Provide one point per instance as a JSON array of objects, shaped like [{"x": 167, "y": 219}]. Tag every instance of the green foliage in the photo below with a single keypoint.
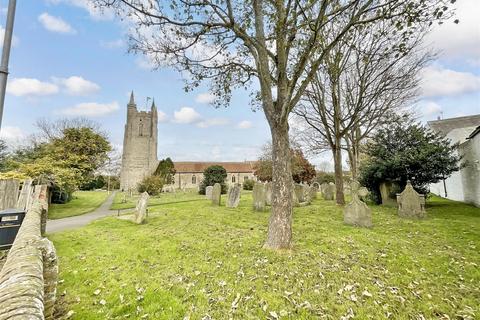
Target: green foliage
[
  {"x": 302, "y": 169},
  {"x": 166, "y": 170},
  {"x": 407, "y": 152},
  {"x": 324, "y": 177},
  {"x": 66, "y": 161},
  {"x": 248, "y": 184},
  {"x": 212, "y": 175},
  {"x": 152, "y": 185}
]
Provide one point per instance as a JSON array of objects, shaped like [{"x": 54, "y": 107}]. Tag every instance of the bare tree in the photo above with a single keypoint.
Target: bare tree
[
  {"x": 278, "y": 43},
  {"x": 362, "y": 81}
]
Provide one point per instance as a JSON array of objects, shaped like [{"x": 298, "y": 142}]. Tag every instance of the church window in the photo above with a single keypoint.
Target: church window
[
  {"x": 233, "y": 179},
  {"x": 194, "y": 179},
  {"x": 245, "y": 178}
]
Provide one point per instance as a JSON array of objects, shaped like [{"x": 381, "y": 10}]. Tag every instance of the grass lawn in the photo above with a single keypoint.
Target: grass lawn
[
  {"x": 82, "y": 202},
  {"x": 162, "y": 199},
  {"x": 195, "y": 261}
]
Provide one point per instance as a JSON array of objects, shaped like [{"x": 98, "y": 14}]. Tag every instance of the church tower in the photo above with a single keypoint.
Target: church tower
[{"x": 139, "y": 157}]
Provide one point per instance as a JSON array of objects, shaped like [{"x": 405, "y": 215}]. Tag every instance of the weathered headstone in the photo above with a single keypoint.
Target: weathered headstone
[
  {"x": 268, "y": 193},
  {"x": 386, "y": 193},
  {"x": 140, "y": 214},
  {"x": 410, "y": 203},
  {"x": 233, "y": 197},
  {"x": 208, "y": 192},
  {"x": 329, "y": 192},
  {"x": 347, "y": 190},
  {"x": 315, "y": 187},
  {"x": 299, "y": 192},
  {"x": 9, "y": 193},
  {"x": 216, "y": 194},
  {"x": 25, "y": 195},
  {"x": 259, "y": 196},
  {"x": 357, "y": 213},
  {"x": 323, "y": 187},
  {"x": 307, "y": 194}
]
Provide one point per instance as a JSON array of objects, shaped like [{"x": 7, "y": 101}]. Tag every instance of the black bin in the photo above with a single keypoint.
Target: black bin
[{"x": 10, "y": 222}]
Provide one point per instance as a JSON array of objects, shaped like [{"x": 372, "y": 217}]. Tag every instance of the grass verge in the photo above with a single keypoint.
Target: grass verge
[
  {"x": 82, "y": 202},
  {"x": 196, "y": 261}
]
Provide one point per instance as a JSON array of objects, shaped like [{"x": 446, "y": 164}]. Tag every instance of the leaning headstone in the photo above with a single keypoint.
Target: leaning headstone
[
  {"x": 329, "y": 192},
  {"x": 9, "y": 193},
  {"x": 410, "y": 203},
  {"x": 233, "y": 197},
  {"x": 140, "y": 214},
  {"x": 357, "y": 213},
  {"x": 25, "y": 195},
  {"x": 208, "y": 192},
  {"x": 323, "y": 187},
  {"x": 268, "y": 193},
  {"x": 259, "y": 196},
  {"x": 307, "y": 194},
  {"x": 216, "y": 194}
]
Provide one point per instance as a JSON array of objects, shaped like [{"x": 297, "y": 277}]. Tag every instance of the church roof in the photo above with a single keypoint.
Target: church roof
[
  {"x": 198, "y": 167},
  {"x": 446, "y": 125}
]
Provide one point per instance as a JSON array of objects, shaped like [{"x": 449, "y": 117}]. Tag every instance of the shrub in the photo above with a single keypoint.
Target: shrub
[
  {"x": 248, "y": 184},
  {"x": 212, "y": 175},
  {"x": 152, "y": 185}
]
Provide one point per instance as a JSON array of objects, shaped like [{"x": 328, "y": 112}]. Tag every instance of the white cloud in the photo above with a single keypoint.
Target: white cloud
[
  {"x": 459, "y": 40},
  {"x": 431, "y": 108},
  {"x": 212, "y": 122},
  {"x": 11, "y": 133},
  {"x": 88, "y": 5},
  {"x": 15, "y": 40},
  {"x": 145, "y": 63},
  {"x": 77, "y": 86},
  {"x": 91, "y": 109},
  {"x": 113, "y": 44},
  {"x": 438, "y": 81},
  {"x": 30, "y": 87},
  {"x": 55, "y": 24},
  {"x": 245, "y": 124},
  {"x": 206, "y": 98},
  {"x": 162, "y": 116},
  {"x": 186, "y": 115}
]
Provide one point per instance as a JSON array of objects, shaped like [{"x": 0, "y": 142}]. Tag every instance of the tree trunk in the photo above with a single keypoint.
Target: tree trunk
[
  {"x": 280, "y": 225},
  {"x": 337, "y": 158}
]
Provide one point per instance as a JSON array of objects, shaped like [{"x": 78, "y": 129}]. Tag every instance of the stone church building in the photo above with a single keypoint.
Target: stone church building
[{"x": 139, "y": 158}]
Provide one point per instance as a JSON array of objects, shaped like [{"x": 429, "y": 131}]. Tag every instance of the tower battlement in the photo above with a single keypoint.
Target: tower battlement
[{"x": 139, "y": 158}]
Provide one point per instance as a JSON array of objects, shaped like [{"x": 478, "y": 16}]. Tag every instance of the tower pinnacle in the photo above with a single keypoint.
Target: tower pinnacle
[{"x": 132, "y": 100}]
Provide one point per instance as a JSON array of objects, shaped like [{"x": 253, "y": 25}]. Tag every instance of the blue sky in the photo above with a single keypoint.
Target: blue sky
[{"x": 69, "y": 60}]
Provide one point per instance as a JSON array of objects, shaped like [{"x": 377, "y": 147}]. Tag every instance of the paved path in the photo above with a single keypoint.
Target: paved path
[{"x": 81, "y": 220}]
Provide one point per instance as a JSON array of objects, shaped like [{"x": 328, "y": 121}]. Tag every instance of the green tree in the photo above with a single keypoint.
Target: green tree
[
  {"x": 302, "y": 169},
  {"x": 152, "y": 185},
  {"x": 212, "y": 175},
  {"x": 166, "y": 170},
  {"x": 407, "y": 152}
]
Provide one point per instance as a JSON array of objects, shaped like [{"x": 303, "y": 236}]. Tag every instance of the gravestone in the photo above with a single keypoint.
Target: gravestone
[
  {"x": 315, "y": 187},
  {"x": 329, "y": 192},
  {"x": 9, "y": 193},
  {"x": 357, "y": 213},
  {"x": 410, "y": 203},
  {"x": 233, "y": 197},
  {"x": 216, "y": 194},
  {"x": 140, "y": 214},
  {"x": 323, "y": 187},
  {"x": 386, "y": 193},
  {"x": 208, "y": 192},
  {"x": 25, "y": 195},
  {"x": 299, "y": 192},
  {"x": 268, "y": 193},
  {"x": 259, "y": 196},
  {"x": 347, "y": 190}
]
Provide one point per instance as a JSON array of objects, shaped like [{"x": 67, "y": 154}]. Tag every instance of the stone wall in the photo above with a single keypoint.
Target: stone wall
[{"x": 28, "y": 279}]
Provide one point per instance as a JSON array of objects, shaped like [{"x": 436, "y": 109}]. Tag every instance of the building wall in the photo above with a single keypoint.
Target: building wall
[
  {"x": 139, "y": 157},
  {"x": 186, "y": 180},
  {"x": 471, "y": 172}
]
